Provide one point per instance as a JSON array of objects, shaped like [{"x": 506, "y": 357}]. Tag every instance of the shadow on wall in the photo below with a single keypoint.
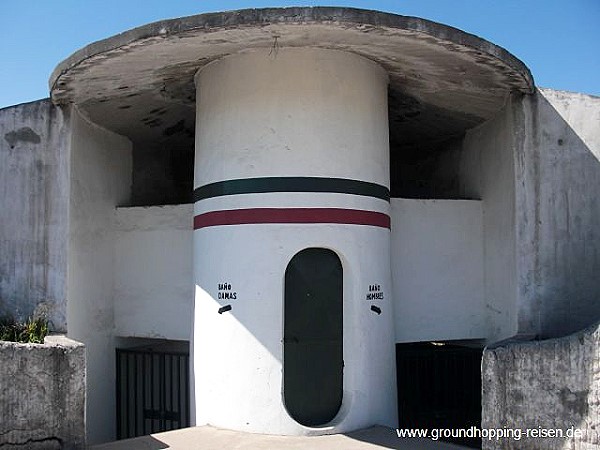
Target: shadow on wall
[{"x": 558, "y": 212}]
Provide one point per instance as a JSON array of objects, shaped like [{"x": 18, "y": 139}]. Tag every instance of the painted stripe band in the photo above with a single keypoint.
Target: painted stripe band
[
  {"x": 291, "y": 215},
  {"x": 291, "y": 184}
]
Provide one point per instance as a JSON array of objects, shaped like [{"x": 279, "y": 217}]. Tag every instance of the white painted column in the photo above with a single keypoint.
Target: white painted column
[{"x": 317, "y": 120}]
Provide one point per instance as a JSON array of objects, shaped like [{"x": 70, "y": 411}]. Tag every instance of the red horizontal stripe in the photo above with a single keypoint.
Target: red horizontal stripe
[{"x": 291, "y": 215}]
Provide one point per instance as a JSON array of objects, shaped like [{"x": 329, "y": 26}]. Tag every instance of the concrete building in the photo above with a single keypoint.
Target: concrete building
[{"x": 301, "y": 194}]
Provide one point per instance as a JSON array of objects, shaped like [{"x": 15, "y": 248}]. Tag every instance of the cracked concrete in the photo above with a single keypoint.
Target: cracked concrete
[
  {"x": 49, "y": 443},
  {"x": 42, "y": 395},
  {"x": 551, "y": 384}
]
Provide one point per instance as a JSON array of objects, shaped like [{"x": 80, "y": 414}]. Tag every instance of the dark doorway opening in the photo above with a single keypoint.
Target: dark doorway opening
[
  {"x": 313, "y": 337},
  {"x": 153, "y": 388},
  {"x": 439, "y": 386}
]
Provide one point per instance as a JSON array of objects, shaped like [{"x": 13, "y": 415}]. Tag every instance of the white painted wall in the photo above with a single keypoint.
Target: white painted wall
[
  {"x": 536, "y": 168},
  {"x": 238, "y": 355},
  {"x": 437, "y": 270},
  {"x": 298, "y": 112},
  {"x": 488, "y": 169},
  {"x": 154, "y": 289},
  {"x": 100, "y": 179}
]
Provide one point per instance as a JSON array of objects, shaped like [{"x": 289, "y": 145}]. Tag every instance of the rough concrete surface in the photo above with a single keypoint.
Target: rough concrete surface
[
  {"x": 553, "y": 384},
  {"x": 536, "y": 168},
  {"x": 140, "y": 83},
  {"x": 557, "y": 186},
  {"x": 42, "y": 395},
  {"x": 209, "y": 438},
  {"x": 34, "y": 188}
]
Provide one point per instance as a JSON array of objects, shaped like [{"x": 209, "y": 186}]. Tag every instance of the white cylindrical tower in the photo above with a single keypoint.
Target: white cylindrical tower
[{"x": 293, "y": 330}]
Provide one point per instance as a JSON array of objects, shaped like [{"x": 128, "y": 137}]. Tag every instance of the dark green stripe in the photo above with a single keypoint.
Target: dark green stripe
[{"x": 291, "y": 184}]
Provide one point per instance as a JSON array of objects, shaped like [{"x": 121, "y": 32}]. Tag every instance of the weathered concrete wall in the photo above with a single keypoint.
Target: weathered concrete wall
[
  {"x": 557, "y": 166},
  {"x": 437, "y": 270},
  {"x": 553, "y": 384},
  {"x": 154, "y": 287},
  {"x": 536, "y": 167},
  {"x": 42, "y": 395},
  {"x": 100, "y": 180},
  {"x": 34, "y": 188}
]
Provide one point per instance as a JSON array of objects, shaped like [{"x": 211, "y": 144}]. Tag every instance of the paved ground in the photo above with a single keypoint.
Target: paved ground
[{"x": 208, "y": 438}]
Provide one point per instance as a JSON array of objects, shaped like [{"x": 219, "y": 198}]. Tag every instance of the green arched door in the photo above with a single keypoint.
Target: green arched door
[{"x": 313, "y": 336}]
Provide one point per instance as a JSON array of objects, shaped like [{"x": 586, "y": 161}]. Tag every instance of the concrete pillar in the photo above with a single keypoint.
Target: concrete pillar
[{"x": 291, "y": 153}]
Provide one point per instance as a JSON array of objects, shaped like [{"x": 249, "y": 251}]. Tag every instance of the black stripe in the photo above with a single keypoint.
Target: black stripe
[{"x": 291, "y": 184}]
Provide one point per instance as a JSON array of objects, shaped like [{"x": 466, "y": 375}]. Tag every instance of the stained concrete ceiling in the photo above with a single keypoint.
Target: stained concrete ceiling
[{"x": 140, "y": 83}]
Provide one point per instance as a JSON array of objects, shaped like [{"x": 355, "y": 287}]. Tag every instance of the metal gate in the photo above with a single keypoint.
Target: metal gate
[
  {"x": 153, "y": 391},
  {"x": 439, "y": 386}
]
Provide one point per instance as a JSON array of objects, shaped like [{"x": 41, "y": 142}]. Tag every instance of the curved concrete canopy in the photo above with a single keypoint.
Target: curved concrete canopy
[{"x": 140, "y": 83}]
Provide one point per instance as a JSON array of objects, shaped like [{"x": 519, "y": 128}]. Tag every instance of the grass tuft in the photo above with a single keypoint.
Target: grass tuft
[{"x": 33, "y": 331}]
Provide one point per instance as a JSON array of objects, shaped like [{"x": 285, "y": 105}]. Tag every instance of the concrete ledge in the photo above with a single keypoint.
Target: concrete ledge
[
  {"x": 42, "y": 394},
  {"x": 552, "y": 384},
  {"x": 258, "y": 18},
  {"x": 443, "y": 81}
]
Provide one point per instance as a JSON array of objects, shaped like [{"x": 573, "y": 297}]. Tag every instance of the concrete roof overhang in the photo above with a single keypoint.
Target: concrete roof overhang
[{"x": 139, "y": 83}]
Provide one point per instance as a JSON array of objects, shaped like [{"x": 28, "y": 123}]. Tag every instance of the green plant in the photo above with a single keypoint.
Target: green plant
[{"x": 32, "y": 331}]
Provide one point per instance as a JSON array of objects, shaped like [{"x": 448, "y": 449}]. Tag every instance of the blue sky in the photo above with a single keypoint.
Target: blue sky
[{"x": 559, "y": 40}]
